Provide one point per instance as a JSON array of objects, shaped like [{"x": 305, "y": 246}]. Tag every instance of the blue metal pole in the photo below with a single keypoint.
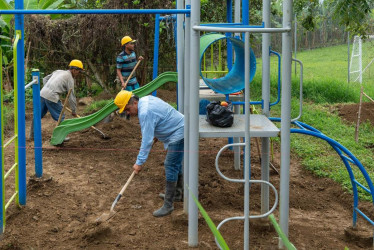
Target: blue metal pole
[
  {"x": 19, "y": 25},
  {"x": 155, "y": 49},
  {"x": 37, "y": 124},
  {"x": 230, "y": 140},
  {"x": 2, "y": 186},
  {"x": 245, "y": 12},
  {"x": 105, "y": 11},
  {"x": 155, "y": 46},
  {"x": 176, "y": 52},
  {"x": 229, "y": 45}
]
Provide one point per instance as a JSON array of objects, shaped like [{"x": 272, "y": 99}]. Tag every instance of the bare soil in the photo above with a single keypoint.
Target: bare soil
[
  {"x": 84, "y": 175},
  {"x": 349, "y": 112}
]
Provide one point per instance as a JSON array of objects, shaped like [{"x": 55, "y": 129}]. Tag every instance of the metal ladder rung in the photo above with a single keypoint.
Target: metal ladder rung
[
  {"x": 362, "y": 186},
  {"x": 10, "y": 170},
  {"x": 11, "y": 199},
  {"x": 11, "y": 139},
  {"x": 364, "y": 215},
  {"x": 348, "y": 159}
]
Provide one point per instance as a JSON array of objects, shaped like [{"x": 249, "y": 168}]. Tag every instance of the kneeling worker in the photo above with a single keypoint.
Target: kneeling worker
[
  {"x": 55, "y": 84},
  {"x": 158, "y": 121}
]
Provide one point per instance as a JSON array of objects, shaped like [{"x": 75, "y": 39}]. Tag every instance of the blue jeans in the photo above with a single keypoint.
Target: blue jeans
[
  {"x": 53, "y": 108},
  {"x": 132, "y": 87},
  {"x": 174, "y": 159}
]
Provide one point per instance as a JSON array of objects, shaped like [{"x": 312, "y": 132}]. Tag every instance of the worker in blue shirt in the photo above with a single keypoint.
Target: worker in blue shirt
[
  {"x": 126, "y": 62},
  {"x": 158, "y": 121}
]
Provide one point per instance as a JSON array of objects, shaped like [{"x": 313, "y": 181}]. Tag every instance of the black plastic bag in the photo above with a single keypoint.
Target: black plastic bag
[{"x": 218, "y": 115}]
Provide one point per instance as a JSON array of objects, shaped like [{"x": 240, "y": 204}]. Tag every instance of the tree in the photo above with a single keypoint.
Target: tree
[
  {"x": 353, "y": 14},
  {"x": 6, "y": 33}
]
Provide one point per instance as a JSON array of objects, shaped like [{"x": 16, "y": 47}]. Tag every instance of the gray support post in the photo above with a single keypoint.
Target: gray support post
[
  {"x": 247, "y": 163},
  {"x": 349, "y": 57},
  {"x": 237, "y": 107},
  {"x": 265, "y": 145},
  {"x": 237, "y": 149},
  {"x": 180, "y": 58},
  {"x": 237, "y": 14},
  {"x": 186, "y": 106},
  {"x": 286, "y": 119},
  {"x": 295, "y": 44},
  {"x": 194, "y": 124}
]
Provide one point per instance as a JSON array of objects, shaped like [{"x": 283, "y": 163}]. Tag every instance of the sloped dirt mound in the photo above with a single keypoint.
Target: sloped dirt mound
[
  {"x": 84, "y": 175},
  {"x": 349, "y": 112}
]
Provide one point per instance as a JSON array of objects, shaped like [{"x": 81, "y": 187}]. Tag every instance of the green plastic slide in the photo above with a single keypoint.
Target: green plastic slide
[{"x": 77, "y": 124}]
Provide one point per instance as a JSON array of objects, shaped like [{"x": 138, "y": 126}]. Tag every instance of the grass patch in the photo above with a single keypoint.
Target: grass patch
[
  {"x": 325, "y": 77},
  {"x": 8, "y": 116},
  {"x": 320, "y": 158},
  {"x": 95, "y": 106}
]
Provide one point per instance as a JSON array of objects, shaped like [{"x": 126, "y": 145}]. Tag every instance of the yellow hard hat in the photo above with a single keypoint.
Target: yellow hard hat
[
  {"x": 122, "y": 99},
  {"x": 126, "y": 39},
  {"x": 77, "y": 64}
]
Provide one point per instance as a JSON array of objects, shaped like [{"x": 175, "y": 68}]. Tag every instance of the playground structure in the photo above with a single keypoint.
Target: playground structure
[{"x": 188, "y": 94}]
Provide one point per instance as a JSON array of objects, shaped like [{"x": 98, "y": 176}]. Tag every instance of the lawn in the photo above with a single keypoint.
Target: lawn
[{"x": 325, "y": 87}]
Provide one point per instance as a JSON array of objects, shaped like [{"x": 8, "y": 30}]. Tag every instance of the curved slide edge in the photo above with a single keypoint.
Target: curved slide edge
[
  {"x": 77, "y": 124},
  {"x": 234, "y": 80}
]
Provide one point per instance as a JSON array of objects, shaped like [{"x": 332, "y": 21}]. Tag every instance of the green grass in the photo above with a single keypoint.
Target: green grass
[
  {"x": 95, "y": 106},
  {"x": 8, "y": 115},
  {"x": 319, "y": 157},
  {"x": 325, "y": 85},
  {"x": 324, "y": 77}
]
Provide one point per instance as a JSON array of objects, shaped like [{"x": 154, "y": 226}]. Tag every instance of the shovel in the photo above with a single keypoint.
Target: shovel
[
  {"x": 98, "y": 130},
  {"x": 107, "y": 216},
  {"x": 132, "y": 72}
]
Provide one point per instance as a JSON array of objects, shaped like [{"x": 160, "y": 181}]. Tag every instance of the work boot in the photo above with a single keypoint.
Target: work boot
[
  {"x": 178, "y": 192},
  {"x": 168, "y": 207}
]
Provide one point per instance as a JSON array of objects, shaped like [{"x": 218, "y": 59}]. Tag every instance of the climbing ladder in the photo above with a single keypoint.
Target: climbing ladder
[
  {"x": 19, "y": 182},
  {"x": 245, "y": 180},
  {"x": 3, "y": 203}
]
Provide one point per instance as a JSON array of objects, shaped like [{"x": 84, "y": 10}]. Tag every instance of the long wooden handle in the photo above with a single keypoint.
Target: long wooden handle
[
  {"x": 132, "y": 72},
  {"x": 127, "y": 183},
  {"x": 64, "y": 107},
  {"x": 122, "y": 191},
  {"x": 98, "y": 130},
  {"x": 79, "y": 117}
]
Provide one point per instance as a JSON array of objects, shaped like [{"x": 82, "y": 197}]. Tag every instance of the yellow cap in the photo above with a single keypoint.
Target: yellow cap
[
  {"x": 126, "y": 39},
  {"x": 76, "y": 63},
  {"x": 122, "y": 99}
]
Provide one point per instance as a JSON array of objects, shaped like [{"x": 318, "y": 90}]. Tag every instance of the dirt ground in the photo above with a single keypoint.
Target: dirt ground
[{"x": 84, "y": 175}]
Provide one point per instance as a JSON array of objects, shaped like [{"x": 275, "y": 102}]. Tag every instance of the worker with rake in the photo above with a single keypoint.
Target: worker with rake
[
  {"x": 55, "y": 84},
  {"x": 158, "y": 121}
]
